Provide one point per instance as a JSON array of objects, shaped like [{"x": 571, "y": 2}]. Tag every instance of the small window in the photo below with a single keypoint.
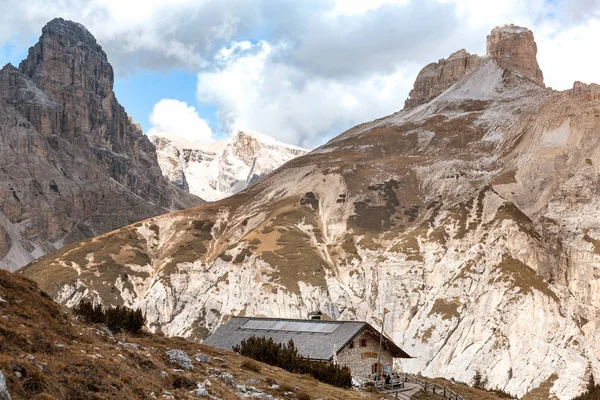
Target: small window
[
  {"x": 351, "y": 344},
  {"x": 374, "y": 368},
  {"x": 363, "y": 342}
]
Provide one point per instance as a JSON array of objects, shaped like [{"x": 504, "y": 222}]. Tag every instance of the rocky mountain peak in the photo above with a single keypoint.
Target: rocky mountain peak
[
  {"x": 513, "y": 47},
  {"x": 439, "y": 76},
  {"x": 73, "y": 164},
  {"x": 65, "y": 47},
  {"x": 59, "y": 27},
  {"x": 591, "y": 90},
  {"x": 246, "y": 145},
  {"x": 8, "y": 67},
  {"x": 216, "y": 170}
]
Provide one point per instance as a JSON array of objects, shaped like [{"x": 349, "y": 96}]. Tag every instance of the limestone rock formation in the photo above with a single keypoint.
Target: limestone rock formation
[
  {"x": 591, "y": 90},
  {"x": 439, "y": 76},
  {"x": 514, "y": 49},
  {"x": 216, "y": 170},
  {"x": 72, "y": 163},
  {"x": 473, "y": 217}
]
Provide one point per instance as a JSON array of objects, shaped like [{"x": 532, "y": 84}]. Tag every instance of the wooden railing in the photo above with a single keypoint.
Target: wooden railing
[
  {"x": 432, "y": 387},
  {"x": 395, "y": 383},
  {"x": 427, "y": 386}
]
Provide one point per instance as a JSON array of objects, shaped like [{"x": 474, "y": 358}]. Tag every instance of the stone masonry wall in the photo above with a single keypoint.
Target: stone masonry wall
[{"x": 361, "y": 359}]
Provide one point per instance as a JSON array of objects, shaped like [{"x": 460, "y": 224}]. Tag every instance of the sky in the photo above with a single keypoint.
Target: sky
[{"x": 300, "y": 71}]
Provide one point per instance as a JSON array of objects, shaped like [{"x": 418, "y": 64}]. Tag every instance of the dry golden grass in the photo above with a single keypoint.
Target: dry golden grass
[
  {"x": 447, "y": 309},
  {"x": 543, "y": 391},
  {"x": 46, "y": 354},
  {"x": 466, "y": 391}
]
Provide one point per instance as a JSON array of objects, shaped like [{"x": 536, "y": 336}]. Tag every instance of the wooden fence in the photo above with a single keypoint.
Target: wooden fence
[
  {"x": 434, "y": 388},
  {"x": 427, "y": 386}
]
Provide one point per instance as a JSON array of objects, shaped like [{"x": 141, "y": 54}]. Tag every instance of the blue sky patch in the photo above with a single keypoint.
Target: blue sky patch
[{"x": 139, "y": 92}]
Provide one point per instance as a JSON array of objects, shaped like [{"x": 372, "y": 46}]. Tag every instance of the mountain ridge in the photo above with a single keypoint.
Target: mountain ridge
[
  {"x": 461, "y": 215},
  {"x": 216, "y": 170},
  {"x": 73, "y": 164}
]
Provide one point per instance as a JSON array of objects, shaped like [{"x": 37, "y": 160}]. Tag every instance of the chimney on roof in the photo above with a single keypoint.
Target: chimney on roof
[{"x": 318, "y": 315}]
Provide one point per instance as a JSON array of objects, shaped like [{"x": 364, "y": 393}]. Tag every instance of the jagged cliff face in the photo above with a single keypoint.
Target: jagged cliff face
[
  {"x": 514, "y": 49},
  {"x": 72, "y": 163},
  {"x": 473, "y": 217},
  {"x": 439, "y": 76},
  {"x": 216, "y": 170}
]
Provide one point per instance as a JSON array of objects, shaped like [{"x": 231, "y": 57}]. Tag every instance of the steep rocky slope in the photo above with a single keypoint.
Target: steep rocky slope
[
  {"x": 473, "y": 217},
  {"x": 46, "y": 354},
  {"x": 72, "y": 163},
  {"x": 216, "y": 170}
]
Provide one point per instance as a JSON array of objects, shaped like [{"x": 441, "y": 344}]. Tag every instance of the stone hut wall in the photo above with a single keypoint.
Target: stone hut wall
[{"x": 360, "y": 359}]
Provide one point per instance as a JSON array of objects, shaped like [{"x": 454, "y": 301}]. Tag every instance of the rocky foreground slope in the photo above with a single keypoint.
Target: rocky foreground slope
[
  {"x": 473, "y": 215},
  {"x": 46, "y": 354},
  {"x": 72, "y": 163},
  {"x": 217, "y": 170}
]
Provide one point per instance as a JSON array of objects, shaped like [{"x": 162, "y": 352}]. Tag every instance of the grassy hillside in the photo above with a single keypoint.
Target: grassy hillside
[{"x": 46, "y": 354}]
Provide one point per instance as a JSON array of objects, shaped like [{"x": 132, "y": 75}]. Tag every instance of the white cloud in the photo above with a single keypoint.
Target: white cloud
[
  {"x": 565, "y": 55},
  {"x": 323, "y": 65},
  {"x": 174, "y": 117},
  {"x": 254, "y": 90},
  {"x": 563, "y": 32},
  {"x": 353, "y": 7}
]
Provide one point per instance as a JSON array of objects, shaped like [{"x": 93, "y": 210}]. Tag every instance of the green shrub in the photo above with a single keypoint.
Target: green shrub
[
  {"x": 303, "y": 396},
  {"x": 115, "y": 318},
  {"x": 479, "y": 380},
  {"x": 286, "y": 356},
  {"x": 182, "y": 382},
  {"x": 592, "y": 392}
]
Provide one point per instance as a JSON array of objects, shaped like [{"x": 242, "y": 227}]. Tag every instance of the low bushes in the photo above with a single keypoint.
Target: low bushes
[
  {"x": 115, "y": 318},
  {"x": 286, "y": 356},
  {"x": 592, "y": 392}
]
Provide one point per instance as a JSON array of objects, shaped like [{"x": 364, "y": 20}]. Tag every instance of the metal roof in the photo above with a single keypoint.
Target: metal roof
[{"x": 317, "y": 339}]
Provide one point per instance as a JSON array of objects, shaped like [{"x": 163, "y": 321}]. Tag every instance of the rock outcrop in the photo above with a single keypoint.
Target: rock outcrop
[
  {"x": 591, "y": 90},
  {"x": 437, "y": 77},
  {"x": 4, "y": 395},
  {"x": 514, "y": 49},
  {"x": 216, "y": 170},
  {"x": 474, "y": 218},
  {"x": 72, "y": 163}
]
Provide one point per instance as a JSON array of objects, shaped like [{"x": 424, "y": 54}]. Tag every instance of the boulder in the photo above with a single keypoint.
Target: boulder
[
  {"x": 4, "y": 395},
  {"x": 180, "y": 358}
]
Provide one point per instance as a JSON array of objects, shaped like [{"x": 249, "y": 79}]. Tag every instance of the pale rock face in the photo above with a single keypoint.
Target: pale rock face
[
  {"x": 437, "y": 77},
  {"x": 4, "y": 395},
  {"x": 216, "y": 170},
  {"x": 474, "y": 218},
  {"x": 72, "y": 163},
  {"x": 591, "y": 90},
  {"x": 514, "y": 49}
]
